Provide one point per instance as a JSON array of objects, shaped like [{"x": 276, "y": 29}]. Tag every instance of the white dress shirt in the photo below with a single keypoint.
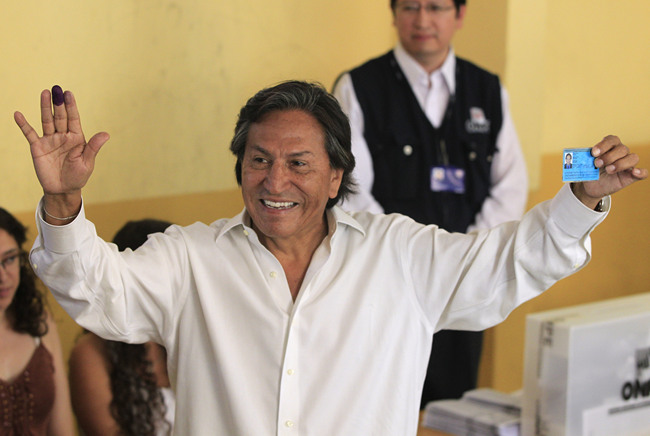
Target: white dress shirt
[
  {"x": 349, "y": 356},
  {"x": 509, "y": 179},
  {"x": 170, "y": 407}
]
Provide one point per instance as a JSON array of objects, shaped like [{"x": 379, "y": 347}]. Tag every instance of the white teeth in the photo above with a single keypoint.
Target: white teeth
[{"x": 278, "y": 204}]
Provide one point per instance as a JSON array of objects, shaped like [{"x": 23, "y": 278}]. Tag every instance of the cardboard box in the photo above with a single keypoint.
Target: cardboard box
[{"x": 587, "y": 370}]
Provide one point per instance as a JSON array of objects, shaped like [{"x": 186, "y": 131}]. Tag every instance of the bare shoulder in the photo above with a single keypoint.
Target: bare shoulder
[
  {"x": 90, "y": 386},
  {"x": 89, "y": 351}
]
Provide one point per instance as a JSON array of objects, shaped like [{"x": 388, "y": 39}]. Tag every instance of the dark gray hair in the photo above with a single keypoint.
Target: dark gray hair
[
  {"x": 313, "y": 99},
  {"x": 457, "y": 4}
]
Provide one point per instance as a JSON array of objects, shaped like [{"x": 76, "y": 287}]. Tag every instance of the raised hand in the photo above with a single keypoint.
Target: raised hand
[
  {"x": 62, "y": 158},
  {"x": 617, "y": 170}
]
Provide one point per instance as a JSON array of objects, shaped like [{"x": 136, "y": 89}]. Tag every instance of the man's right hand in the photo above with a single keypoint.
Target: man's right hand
[{"x": 62, "y": 158}]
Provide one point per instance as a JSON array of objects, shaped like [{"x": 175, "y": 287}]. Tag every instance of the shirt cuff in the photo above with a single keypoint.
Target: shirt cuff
[
  {"x": 573, "y": 216},
  {"x": 65, "y": 238}
]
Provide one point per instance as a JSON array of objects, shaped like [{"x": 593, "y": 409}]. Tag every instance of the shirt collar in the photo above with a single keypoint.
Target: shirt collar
[
  {"x": 418, "y": 77},
  {"x": 335, "y": 216},
  {"x": 240, "y": 222}
]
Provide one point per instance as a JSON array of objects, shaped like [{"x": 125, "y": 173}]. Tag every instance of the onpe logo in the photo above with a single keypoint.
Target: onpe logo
[{"x": 640, "y": 386}]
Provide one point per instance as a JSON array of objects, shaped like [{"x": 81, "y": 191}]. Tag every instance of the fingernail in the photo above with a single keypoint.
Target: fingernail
[
  {"x": 610, "y": 168},
  {"x": 57, "y": 95},
  {"x": 595, "y": 152},
  {"x": 598, "y": 163}
]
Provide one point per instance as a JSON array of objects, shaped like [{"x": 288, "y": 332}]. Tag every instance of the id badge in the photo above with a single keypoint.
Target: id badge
[
  {"x": 578, "y": 165},
  {"x": 448, "y": 178}
]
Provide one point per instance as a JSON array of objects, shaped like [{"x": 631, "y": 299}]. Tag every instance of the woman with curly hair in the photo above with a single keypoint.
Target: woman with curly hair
[
  {"x": 34, "y": 393},
  {"x": 117, "y": 388}
]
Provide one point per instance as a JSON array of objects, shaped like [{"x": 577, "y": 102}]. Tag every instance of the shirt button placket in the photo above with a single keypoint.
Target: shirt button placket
[{"x": 289, "y": 385}]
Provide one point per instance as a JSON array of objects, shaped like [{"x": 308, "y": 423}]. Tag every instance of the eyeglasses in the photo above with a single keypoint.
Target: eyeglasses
[
  {"x": 413, "y": 8},
  {"x": 11, "y": 261}
]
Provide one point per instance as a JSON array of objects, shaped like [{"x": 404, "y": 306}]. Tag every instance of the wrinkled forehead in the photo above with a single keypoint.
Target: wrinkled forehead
[{"x": 286, "y": 128}]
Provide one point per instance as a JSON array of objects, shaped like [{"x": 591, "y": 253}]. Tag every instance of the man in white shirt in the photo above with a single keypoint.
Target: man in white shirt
[
  {"x": 433, "y": 139},
  {"x": 295, "y": 317}
]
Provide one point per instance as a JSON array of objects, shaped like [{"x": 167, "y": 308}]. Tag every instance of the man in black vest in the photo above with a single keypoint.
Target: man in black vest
[{"x": 433, "y": 139}]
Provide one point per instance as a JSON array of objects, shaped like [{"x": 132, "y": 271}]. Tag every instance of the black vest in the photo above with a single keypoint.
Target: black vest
[{"x": 405, "y": 146}]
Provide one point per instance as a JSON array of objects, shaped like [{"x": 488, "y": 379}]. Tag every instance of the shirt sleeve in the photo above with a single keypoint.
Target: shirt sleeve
[
  {"x": 124, "y": 296},
  {"x": 509, "y": 178},
  {"x": 363, "y": 173},
  {"x": 473, "y": 281}
]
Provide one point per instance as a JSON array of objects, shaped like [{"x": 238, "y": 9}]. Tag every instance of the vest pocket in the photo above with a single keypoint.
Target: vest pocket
[{"x": 397, "y": 170}]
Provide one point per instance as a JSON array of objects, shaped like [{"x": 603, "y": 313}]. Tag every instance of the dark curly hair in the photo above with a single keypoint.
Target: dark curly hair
[
  {"x": 26, "y": 313},
  {"x": 137, "y": 405}
]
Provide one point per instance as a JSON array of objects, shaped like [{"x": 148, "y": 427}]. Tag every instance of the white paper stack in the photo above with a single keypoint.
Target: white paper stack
[{"x": 480, "y": 412}]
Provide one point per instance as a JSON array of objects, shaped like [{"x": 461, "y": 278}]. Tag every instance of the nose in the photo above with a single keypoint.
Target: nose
[
  {"x": 3, "y": 273},
  {"x": 421, "y": 19},
  {"x": 277, "y": 178}
]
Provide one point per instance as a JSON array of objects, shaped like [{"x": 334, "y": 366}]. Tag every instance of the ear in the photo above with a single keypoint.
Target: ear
[
  {"x": 335, "y": 181},
  {"x": 460, "y": 16}
]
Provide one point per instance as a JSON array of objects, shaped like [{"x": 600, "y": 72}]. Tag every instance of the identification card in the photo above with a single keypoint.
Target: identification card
[
  {"x": 578, "y": 165},
  {"x": 448, "y": 178}
]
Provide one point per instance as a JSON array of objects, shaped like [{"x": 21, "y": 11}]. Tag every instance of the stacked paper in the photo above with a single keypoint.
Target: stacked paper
[{"x": 479, "y": 412}]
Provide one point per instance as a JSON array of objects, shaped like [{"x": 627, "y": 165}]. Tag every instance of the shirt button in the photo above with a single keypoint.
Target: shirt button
[
  {"x": 408, "y": 150},
  {"x": 290, "y": 371},
  {"x": 273, "y": 274},
  {"x": 34, "y": 266},
  {"x": 472, "y": 155},
  {"x": 289, "y": 424},
  {"x": 245, "y": 232}
]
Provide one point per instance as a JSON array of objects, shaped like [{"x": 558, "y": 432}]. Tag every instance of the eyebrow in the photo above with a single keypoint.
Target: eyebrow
[
  {"x": 295, "y": 154},
  {"x": 11, "y": 251}
]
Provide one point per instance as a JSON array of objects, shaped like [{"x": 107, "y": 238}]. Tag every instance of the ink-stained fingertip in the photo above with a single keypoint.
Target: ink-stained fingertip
[{"x": 57, "y": 95}]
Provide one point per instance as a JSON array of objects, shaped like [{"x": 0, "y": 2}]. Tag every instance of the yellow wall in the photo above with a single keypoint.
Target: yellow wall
[
  {"x": 577, "y": 71},
  {"x": 166, "y": 79},
  {"x": 482, "y": 38},
  {"x": 596, "y": 71}
]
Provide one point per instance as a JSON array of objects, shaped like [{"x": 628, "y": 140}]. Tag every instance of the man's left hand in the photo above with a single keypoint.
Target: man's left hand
[{"x": 617, "y": 170}]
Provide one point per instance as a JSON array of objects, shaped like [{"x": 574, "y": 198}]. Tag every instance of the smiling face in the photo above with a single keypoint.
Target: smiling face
[
  {"x": 9, "y": 270},
  {"x": 425, "y": 29},
  {"x": 287, "y": 178}
]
